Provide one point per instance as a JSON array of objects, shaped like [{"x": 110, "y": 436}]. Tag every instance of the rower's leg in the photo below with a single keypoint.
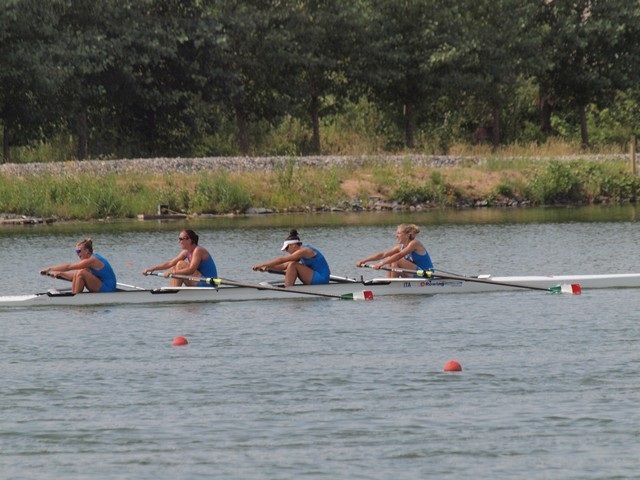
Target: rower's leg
[
  {"x": 84, "y": 278},
  {"x": 296, "y": 270},
  {"x": 177, "y": 282}
]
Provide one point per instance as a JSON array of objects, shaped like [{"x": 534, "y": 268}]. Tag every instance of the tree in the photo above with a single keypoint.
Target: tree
[
  {"x": 28, "y": 79},
  {"x": 156, "y": 87},
  {"x": 593, "y": 50},
  {"x": 500, "y": 48},
  {"x": 408, "y": 54},
  {"x": 318, "y": 56},
  {"x": 133, "y": 87},
  {"x": 240, "y": 61}
]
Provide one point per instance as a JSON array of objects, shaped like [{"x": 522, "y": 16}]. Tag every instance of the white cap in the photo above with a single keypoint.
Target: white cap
[{"x": 287, "y": 243}]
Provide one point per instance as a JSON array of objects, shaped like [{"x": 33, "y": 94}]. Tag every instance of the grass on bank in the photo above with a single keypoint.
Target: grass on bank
[{"x": 494, "y": 181}]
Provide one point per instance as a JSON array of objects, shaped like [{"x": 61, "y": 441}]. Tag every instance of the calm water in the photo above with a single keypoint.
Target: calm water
[{"x": 327, "y": 389}]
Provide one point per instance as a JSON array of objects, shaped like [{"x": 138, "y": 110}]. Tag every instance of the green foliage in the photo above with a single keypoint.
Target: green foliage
[
  {"x": 604, "y": 181},
  {"x": 592, "y": 53},
  {"x": 291, "y": 188},
  {"x": 285, "y": 177},
  {"x": 436, "y": 178},
  {"x": 80, "y": 197},
  {"x": 129, "y": 79},
  {"x": 106, "y": 203},
  {"x": 58, "y": 148},
  {"x": 218, "y": 194},
  {"x": 383, "y": 175},
  {"x": 358, "y": 128},
  {"x": 505, "y": 190},
  {"x": 608, "y": 128},
  {"x": 321, "y": 188},
  {"x": 441, "y": 134},
  {"x": 295, "y": 188},
  {"x": 496, "y": 164},
  {"x": 556, "y": 183},
  {"x": 412, "y": 194},
  {"x": 286, "y": 139},
  {"x": 580, "y": 181}
]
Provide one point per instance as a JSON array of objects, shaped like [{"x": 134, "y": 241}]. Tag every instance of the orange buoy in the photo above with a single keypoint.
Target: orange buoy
[
  {"x": 180, "y": 341},
  {"x": 452, "y": 366}
]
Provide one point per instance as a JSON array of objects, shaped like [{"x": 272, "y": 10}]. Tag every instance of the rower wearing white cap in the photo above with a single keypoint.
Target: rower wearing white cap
[{"x": 303, "y": 262}]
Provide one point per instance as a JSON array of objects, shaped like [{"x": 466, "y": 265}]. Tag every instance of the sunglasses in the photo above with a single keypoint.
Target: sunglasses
[
  {"x": 183, "y": 238},
  {"x": 78, "y": 250}
]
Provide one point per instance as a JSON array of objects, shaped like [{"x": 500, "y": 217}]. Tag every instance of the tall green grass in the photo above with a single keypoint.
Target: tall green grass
[{"x": 293, "y": 188}]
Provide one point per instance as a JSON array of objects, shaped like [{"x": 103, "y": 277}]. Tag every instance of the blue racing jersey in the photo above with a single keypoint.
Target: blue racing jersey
[
  {"x": 319, "y": 265},
  {"x": 207, "y": 268},
  {"x": 106, "y": 274},
  {"x": 423, "y": 262}
]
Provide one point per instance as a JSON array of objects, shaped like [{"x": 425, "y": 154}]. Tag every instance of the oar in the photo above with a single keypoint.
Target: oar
[
  {"x": 53, "y": 275},
  {"x": 126, "y": 285},
  {"x": 363, "y": 295},
  {"x": 60, "y": 277},
  {"x": 573, "y": 288}
]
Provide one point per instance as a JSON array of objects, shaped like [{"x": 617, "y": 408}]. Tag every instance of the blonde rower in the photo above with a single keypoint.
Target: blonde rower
[
  {"x": 91, "y": 270},
  {"x": 409, "y": 253}
]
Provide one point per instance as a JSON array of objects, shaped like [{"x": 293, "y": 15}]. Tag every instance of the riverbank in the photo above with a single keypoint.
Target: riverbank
[{"x": 261, "y": 185}]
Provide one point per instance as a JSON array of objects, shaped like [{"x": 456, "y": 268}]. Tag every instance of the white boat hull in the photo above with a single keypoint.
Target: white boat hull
[{"x": 378, "y": 286}]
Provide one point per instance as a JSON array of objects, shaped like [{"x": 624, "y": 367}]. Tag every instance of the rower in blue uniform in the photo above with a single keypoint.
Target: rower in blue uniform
[
  {"x": 408, "y": 254},
  {"x": 92, "y": 271},
  {"x": 192, "y": 260},
  {"x": 303, "y": 262}
]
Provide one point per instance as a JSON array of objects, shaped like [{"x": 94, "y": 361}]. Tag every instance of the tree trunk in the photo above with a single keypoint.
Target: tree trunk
[
  {"x": 495, "y": 134},
  {"x": 544, "y": 108},
  {"x": 315, "y": 122},
  {"x": 82, "y": 132},
  {"x": 243, "y": 131},
  {"x": 6, "y": 152},
  {"x": 408, "y": 125},
  {"x": 583, "y": 126}
]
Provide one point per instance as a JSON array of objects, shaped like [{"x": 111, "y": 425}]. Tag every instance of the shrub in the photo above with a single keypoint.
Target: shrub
[
  {"x": 218, "y": 194},
  {"x": 556, "y": 183}
]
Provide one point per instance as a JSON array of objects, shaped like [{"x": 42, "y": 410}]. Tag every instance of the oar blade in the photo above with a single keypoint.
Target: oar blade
[
  {"x": 571, "y": 289},
  {"x": 363, "y": 295}
]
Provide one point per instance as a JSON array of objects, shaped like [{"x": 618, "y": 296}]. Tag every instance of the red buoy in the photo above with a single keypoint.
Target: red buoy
[
  {"x": 452, "y": 366},
  {"x": 180, "y": 341}
]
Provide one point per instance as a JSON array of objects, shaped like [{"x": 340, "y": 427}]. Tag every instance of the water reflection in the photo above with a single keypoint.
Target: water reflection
[{"x": 483, "y": 216}]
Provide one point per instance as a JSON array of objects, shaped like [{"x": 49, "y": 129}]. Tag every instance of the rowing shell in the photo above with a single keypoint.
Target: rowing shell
[{"x": 378, "y": 286}]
